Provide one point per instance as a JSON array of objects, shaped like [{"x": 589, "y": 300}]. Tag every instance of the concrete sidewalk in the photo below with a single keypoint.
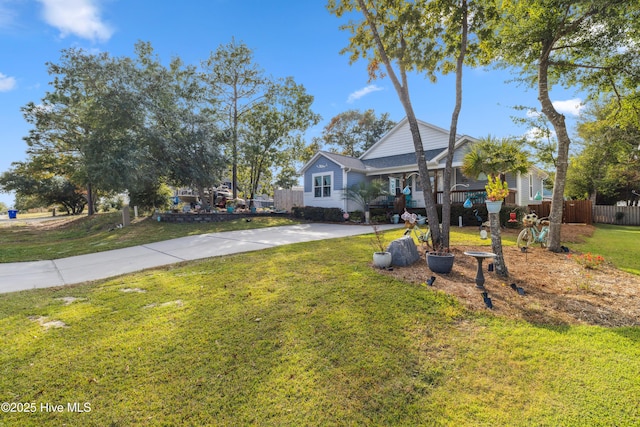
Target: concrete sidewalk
[{"x": 101, "y": 265}]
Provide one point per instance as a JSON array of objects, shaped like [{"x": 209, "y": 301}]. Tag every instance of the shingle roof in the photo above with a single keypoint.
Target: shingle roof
[
  {"x": 346, "y": 161},
  {"x": 399, "y": 160}
]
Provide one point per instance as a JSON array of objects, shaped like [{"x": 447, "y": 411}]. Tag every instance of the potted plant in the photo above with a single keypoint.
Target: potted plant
[
  {"x": 497, "y": 190},
  {"x": 230, "y": 204},
  {"x": 381, "y": 257},
  {"x": 440, "y": 262}
]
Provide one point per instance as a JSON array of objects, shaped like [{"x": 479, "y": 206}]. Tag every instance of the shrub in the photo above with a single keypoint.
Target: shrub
[
  {"x": 356, "y": 216},
  {"x": 333, "y": 215},
  {"x": 379, "y": 219},
  {"x": 314, "y": 213},
  {"x": 151, "y": 197}
]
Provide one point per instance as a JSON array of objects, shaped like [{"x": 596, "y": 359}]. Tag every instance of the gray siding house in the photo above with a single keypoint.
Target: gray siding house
[{"x": 393, "y": 160}]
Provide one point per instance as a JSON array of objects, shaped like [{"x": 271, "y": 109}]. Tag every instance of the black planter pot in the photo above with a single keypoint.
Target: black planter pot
[{"x": 440, "y": 262}]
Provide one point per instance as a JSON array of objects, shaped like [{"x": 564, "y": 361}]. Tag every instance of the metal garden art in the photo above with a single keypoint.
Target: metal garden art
[{"x": 412, "y": 223}]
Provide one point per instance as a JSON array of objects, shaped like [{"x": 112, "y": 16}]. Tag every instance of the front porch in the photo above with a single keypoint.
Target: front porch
[{"x": 457, "y": 196}]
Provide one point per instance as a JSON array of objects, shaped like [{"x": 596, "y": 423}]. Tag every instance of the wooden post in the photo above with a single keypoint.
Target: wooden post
[{"x": 126, "y": 216}]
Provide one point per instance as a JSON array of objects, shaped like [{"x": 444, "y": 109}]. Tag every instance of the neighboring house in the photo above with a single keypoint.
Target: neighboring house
[{"x": 393, "y": 159}]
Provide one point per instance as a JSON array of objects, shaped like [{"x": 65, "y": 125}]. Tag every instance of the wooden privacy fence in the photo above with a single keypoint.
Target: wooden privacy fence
[
  {"x": 621, "y": 215},
  {"x": 581, "y": 211},
  {"x": 574, "y": 211},
  {"x": 287, "y": 199}
]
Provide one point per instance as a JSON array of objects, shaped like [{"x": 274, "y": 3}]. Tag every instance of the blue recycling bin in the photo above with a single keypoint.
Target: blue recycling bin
[{"x": 12, "y": 213}]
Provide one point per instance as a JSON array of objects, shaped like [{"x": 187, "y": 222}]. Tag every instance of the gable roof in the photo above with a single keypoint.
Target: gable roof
[
  {"x": 345, "y": 162},
  {"x": 459, "y": 143},
  {"x": 402, "y": 125},
  {"x": 407, "y": 159}
]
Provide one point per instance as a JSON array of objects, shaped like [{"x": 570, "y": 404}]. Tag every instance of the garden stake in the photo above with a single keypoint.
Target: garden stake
[{"x": 487, "y": 300}]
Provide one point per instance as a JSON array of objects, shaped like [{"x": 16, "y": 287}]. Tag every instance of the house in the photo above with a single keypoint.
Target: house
[{"x": 393, "y": 160}]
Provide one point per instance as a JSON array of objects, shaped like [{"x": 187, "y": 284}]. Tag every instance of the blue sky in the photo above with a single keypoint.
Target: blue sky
[{"x": 297, "y": 38}]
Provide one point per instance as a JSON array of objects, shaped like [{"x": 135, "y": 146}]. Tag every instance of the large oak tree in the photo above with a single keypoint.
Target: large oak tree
[{"x": 587, "y": 44}]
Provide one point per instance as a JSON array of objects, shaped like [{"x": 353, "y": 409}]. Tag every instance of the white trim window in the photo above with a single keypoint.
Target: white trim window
[{"x": 322, "y": 185}]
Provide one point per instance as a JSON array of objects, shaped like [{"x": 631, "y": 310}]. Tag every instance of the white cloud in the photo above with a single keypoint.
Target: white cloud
[
  {"x": 536, "y": 133},
  {"x": 532, "y": 113},
  {"x": 570, "y": 106},
  {"x": 78, "y": 17},
  {"x": 362, "y": 92},
  {"x": 6, "y": 83}
]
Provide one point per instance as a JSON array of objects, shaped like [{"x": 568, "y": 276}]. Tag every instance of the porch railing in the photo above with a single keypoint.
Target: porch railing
[
  {"x": 476, "y": 196},
  {"x": 460, "y": 196},
  {"x": 457, "y": 196}
]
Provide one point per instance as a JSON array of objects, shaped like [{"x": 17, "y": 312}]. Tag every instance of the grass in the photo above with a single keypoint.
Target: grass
[
  {"x": 302, "y": 335},
  {"x": 70, "y": 236},
  {"x": 618, "y": 244},
  {"x": 81, "y": 235},
  {"x": 28, "y": 215}
]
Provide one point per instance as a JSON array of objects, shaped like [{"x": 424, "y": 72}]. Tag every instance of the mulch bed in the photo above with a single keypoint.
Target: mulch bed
[{"x": 558, "y": 291}]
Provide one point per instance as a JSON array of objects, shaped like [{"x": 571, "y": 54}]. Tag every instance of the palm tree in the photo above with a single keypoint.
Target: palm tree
[
  {"x": 363, "y": 193},
  {"x": 495, "y": 158}
]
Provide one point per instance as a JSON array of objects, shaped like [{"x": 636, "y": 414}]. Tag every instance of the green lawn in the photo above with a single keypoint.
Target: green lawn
[
  {"x": 83, "y": 234},
  {"x": 618, "y": 244},
  {"x": 306, "y": 334}
]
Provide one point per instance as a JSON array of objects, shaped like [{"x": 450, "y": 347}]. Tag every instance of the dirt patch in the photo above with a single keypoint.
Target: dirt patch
[
  {"x": 137, "y": 290},
  {"x": 558, "y": 291},
  {"x": 177, "y": 303},
  {"x": 70, "y": 300},
  {"x": 48, "y": 324}
]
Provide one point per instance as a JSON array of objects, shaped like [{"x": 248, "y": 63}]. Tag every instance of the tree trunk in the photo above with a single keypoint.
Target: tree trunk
[
  {"x": 90, "y": 210},
  {"x": 402, "y": 89},
  {"x": 203, "y": 200},
  {"x": 427, "y": 193},
  {"x": 559, "y": 125},
  {"x": 453, "y": 130},
  {"x": 234, "y": 149},
  {"x": 496, "y": 245}
]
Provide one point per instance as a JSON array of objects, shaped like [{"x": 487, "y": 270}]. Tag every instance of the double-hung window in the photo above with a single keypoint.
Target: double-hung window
[{"x": 322, "y": 186}]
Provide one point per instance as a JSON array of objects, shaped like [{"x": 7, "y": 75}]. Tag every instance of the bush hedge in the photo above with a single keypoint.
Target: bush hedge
[{"x": 313, "y": 213}]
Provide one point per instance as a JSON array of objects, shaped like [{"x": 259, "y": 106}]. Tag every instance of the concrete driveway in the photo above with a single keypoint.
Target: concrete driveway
[{"x": 101, "y": 265}]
